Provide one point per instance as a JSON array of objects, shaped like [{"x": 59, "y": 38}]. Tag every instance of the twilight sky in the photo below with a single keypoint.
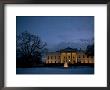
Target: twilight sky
[{"x": 57, "y": 29}]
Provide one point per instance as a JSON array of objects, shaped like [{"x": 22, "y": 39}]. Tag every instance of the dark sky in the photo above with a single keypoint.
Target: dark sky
[{"x": 56, "y": 29}]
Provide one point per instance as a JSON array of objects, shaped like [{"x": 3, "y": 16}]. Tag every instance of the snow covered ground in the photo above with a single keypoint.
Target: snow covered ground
[{"x": 56, "y": 70}]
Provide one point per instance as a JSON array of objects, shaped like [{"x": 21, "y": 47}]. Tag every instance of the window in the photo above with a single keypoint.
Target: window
[
  {"x": 73, "y": 56},
  {"x": 68, "y": 56},
  {"x": 59, "y": 56},
  {"x": 51, "y": 57},
  {"x": 48, "y": 57},
  {"x": 55, "y": 57},
  {"x": 83, "y": 56}
]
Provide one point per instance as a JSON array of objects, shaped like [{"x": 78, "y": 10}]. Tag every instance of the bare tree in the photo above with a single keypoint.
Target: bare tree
[{"x": 29, "y": 46}]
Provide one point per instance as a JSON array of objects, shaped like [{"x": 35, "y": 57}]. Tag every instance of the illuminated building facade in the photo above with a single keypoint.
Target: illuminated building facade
[{"x": 68, "y": 55}]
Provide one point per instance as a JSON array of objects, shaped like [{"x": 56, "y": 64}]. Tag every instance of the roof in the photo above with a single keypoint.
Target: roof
[{"x": 68, "y": 49}]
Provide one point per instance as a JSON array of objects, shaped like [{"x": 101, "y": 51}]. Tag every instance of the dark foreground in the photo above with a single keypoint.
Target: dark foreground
[{"x": 56, "y": 70}]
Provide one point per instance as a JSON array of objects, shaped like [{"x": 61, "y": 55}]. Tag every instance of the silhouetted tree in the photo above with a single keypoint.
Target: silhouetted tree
[
  {"x": 90, "y": 50},
  {"x": 29, "y": 47}
]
